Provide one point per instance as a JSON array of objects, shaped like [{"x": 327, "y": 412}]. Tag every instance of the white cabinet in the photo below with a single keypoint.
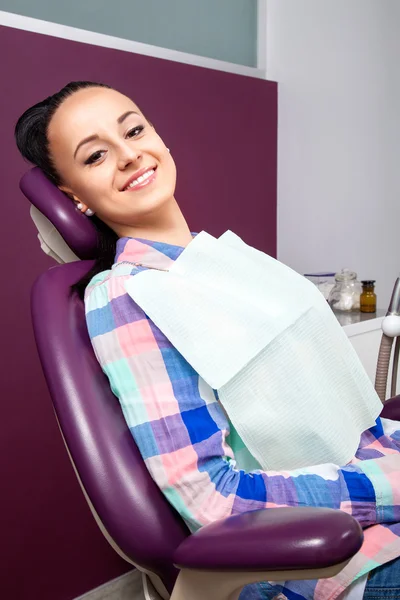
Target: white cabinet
[{"x": 365, "y": 333}]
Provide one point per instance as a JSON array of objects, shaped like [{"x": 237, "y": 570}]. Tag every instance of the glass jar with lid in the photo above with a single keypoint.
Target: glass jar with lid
[
  {"x": 324, "y": 281},
  {"x": 345, "y": 295}
]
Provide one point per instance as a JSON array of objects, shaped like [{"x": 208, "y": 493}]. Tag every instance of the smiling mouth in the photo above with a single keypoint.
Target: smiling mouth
[{"x": 141, "y": 181}]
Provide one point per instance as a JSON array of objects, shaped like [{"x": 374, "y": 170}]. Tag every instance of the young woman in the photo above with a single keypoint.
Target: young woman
[{"x": 98, "y": 147}]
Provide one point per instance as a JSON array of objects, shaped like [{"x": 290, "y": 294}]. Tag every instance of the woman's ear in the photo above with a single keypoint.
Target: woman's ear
[{"x": 68, "y": 192}]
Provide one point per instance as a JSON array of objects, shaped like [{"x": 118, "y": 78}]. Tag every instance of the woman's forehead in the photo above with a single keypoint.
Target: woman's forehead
[{"x": 86, "y": 110}]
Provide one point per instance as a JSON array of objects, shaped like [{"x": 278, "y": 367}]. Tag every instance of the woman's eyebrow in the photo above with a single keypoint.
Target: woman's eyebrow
[
  {"x": 120, "y": 120},
  {"x": 85, "y": 141}
]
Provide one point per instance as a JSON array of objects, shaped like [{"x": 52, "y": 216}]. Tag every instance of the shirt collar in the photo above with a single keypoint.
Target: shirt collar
[{"x": 146, "y": 252}]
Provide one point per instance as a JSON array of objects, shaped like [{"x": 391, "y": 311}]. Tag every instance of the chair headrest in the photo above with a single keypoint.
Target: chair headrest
[{"x": 76, "y": 229}]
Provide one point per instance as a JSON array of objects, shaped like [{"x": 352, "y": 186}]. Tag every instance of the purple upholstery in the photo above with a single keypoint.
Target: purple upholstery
[
  {"x": 280, "y": 538},
  {"x": 391, "y": 409},
  {"x": 74, "y": 227},
  {"x": 128, "y": 502},
  {"x": 112, "y": 471}
]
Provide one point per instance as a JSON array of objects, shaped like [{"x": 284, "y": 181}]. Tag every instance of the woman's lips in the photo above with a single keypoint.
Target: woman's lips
[{"x": 142, "y": 180}]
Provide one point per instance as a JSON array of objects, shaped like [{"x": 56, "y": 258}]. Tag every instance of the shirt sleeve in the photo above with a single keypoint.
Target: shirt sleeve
[{"x": 181, "y": 429}]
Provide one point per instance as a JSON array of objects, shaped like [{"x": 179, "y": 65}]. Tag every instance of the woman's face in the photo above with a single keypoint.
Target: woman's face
[{"x": 110, "y": 158}]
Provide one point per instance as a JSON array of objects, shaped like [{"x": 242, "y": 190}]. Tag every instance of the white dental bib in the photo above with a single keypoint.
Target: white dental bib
[{"x": 265, "y": 338}]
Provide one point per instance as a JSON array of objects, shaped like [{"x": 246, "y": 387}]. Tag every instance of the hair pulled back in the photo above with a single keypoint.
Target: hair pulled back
[{"x": 31, "y": 136}]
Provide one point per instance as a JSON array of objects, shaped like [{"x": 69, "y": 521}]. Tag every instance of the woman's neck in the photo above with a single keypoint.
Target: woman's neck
[{"x": 168, "y": 226}]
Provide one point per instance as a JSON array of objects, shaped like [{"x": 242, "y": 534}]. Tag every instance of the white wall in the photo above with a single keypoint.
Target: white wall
[{"x": 337, "y": 63}]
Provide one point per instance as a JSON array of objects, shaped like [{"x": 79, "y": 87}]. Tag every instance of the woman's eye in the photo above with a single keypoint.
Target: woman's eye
[
  {"x": 94, "y": 157},
  {"x": 135, "y": 131}
]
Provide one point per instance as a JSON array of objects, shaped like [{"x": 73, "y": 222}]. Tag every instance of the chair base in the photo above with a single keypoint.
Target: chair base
[{"x": 210, "y": 585}]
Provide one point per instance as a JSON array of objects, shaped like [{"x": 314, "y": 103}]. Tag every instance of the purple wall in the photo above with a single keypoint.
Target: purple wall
[{"x": 221, "y": 129}]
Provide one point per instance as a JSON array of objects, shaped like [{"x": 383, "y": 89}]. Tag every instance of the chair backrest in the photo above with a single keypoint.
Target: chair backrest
[
  {"x": 76, "y": 229},
  {"x": 134, "y": 514}
]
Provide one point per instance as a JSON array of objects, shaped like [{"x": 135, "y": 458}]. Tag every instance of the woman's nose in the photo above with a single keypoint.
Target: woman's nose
[{"x": 127, "y": 154}]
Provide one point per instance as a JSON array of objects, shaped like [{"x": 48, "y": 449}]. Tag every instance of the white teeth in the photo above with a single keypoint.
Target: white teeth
[{"x": 140, "y": 179}]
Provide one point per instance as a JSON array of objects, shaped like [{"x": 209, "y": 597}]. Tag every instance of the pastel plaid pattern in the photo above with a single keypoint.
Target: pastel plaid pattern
[{"x": 182, "y": 433}]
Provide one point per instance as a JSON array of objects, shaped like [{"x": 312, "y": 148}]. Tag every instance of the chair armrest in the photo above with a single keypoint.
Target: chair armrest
[
  {"x": 391, "y": 409},
  {"x": 273, "y": 539}
]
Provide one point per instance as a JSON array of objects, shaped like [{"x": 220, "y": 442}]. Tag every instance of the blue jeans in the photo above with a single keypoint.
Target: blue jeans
[{"x": 383, "y": 584}]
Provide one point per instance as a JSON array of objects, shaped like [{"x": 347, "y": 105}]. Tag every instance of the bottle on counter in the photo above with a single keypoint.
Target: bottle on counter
[
  {"x": 368, "y": 296},
  {"x": 345, "y": 295}
]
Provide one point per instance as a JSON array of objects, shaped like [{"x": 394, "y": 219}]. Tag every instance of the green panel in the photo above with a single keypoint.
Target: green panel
[{"x": 222, "y": 29}]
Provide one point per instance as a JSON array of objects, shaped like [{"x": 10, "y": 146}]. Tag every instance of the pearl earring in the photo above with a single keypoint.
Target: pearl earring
[
  {"x": 89, "y": 212},
  {"x": 168, "y": 150},
  {"x": 79, "y": 206}
]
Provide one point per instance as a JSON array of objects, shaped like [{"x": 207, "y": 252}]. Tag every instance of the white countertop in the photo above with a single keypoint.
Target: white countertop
[{"x": 355, "y": 323}]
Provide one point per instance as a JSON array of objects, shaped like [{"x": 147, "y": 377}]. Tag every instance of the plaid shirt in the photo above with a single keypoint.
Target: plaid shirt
[{"x": 181, "y": 431}]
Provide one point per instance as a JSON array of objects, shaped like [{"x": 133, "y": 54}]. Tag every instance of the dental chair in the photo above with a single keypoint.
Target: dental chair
[{"x": 215, "y": 562}]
